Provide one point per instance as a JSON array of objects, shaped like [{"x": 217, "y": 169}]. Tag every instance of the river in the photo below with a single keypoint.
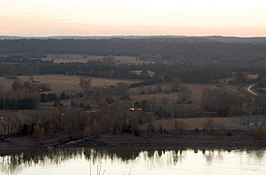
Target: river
[{"x": 132, "y": 161}]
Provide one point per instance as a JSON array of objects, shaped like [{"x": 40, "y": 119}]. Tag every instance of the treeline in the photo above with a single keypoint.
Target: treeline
[
  {"x": 22, "y": 96},
  {"x": 52, "y": 97},
  {"x": 13, "y": 103},
  {"x": 166, "y": 48},
  {"x": 196, "y": 74},
  {"x": 202, "y": 73}
]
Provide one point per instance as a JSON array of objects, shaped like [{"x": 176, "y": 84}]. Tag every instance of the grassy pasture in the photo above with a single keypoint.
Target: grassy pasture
[
  {"x": 196, "y": 92},
  {"x": 60, "y": 83},
  {"x": 71, "y": 58}
]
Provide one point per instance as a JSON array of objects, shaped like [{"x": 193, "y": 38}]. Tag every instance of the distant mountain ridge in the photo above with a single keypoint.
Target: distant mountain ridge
[
  {"x": 223, "y": 39},
  {"x": 257, "y": 40}
]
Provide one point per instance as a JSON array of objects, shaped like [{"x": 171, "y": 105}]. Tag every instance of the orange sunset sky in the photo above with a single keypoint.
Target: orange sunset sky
[{"x": 133, "y": 17}]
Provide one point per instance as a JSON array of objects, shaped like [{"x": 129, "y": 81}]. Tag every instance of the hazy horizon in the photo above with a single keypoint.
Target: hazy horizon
[
  {"x": 130, "y": 36},
  {"x": 140, "y": 18}
]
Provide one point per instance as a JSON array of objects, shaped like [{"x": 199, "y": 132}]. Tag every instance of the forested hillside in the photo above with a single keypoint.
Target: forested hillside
[{"x": 165, "y": 48}]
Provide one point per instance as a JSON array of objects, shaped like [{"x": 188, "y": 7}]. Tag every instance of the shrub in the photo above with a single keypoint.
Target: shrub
[
  {"x": 150, "y": 128},
  {"x": 229, "y": 133},
  {"x": 196, "y": 130},
  {"x": 259, "y": 132},
  {"x": 209, "y": 125},
  {"x": 161, "y": 129},
  {"x": 38, "y": 132},
  {"x": 178, "y": 126},
  {"x": 15, "y": 125},
  {"x": 87, "y": 130}
]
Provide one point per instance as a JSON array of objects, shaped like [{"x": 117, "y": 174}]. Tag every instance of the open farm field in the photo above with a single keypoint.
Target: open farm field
[
  {"x": 59, "y": 83},
  {"x": 196, "y": 91},
  {"x": 71, "y": 58}
]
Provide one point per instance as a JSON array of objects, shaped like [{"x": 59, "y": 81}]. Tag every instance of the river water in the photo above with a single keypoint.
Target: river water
[{"x": 132, "y": 161}]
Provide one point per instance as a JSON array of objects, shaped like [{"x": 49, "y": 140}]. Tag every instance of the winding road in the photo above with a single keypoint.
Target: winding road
[{"x": 250, "y": 91}]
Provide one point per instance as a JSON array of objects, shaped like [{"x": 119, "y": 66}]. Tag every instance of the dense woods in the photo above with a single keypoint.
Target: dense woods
[{"x": 167, "y": 48}]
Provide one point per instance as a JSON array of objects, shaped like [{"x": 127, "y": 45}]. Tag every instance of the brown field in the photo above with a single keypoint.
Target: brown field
[
  {"x": 63, "y": 82},
  {"x": 129, "y": 60},
  {"x": 196, "y": 90},
  {"x": 71, "y": 58},
  {"x": 155, "y": 97},
  {"x": 252, "y": 76}
]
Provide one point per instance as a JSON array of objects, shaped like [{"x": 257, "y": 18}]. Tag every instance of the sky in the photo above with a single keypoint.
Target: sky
[{"x": 133, "y": 17}]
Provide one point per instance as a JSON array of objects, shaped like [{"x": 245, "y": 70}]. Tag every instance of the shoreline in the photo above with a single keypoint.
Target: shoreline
[{"x": 185, "y": 140}]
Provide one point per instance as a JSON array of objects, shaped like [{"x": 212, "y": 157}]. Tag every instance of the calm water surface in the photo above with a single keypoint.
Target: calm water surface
[{"x": 130, "y": 161}]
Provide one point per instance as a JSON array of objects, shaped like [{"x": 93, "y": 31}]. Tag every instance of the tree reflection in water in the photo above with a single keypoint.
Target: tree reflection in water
[{"x": 15, "y": 162}]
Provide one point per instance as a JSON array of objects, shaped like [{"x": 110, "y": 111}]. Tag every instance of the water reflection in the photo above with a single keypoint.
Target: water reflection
[{"x": 100, "y": 158}]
